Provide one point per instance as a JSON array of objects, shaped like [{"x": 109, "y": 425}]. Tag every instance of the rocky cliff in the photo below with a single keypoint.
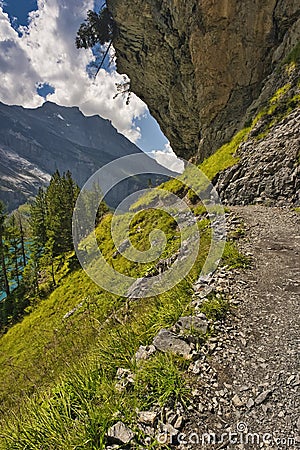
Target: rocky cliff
[
  {"x": 267, "y": 168},
  {"x": 201, "y": 65}
]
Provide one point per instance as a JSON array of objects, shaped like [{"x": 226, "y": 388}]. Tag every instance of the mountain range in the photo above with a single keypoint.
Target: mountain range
[{"x": 36, "y": 142}]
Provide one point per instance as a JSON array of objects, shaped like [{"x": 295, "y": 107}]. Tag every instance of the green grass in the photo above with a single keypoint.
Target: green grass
[
  {"x": 215, "y": 308},
  {"x": 233, "y": 258},
  {"x": 224, "y": 157},
  {"x": 45, "y": 359},
  {"x": 58, "y": 387},
  {"x": 279, "y": 107},
  {"x": 285, "y": 99},
  {"x": 33, "y": 351},
  {"x": 85, "y": 402},
  {"x": 294, "y": 56},
  {"x": 280, "y": 93},
  {"x": 160, "y": 380}
]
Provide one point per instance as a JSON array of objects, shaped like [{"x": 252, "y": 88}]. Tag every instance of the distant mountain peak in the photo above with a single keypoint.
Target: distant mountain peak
[{"x": 36, "y": 142}]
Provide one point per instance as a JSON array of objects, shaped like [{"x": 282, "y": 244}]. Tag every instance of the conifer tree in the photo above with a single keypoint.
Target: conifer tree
[
  {"x": 38, "y": 212},
  {"x": 3, "y": 251},
  {"x": 22, "y": 237},
  {"x": 61, "y": 197},
  {"x": 14, "y": 245},
  {"x": 97, "y": 28},
  {"x": 87, "y": 208}
]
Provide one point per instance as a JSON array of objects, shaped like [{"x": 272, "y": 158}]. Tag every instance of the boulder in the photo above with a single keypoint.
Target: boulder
[
  {"x": 167, "y": 341},
  {"x": 119, "y": 433},
  {"x": 192, "y": 323}
]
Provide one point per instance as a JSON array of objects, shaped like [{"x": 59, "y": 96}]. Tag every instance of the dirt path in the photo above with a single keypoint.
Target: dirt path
[{"x": 249, "y": 383}]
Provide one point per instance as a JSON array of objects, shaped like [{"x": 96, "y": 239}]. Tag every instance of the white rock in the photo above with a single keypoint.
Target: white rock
[
  {"x": 119, "y": 433},
  {"x": 147, "y": 417},
  {"x": 237, "y": 401}
]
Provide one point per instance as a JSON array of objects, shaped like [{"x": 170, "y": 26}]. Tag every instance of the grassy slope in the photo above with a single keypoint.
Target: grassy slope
[
  {"x": 84, "y": 349},
  {"x": 70, "y": 365},
  {"x": 55, "y": 370}
]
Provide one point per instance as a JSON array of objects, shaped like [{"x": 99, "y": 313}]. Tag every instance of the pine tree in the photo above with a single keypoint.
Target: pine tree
[
  {"x": 61, "y": 197},
  {"x": 22, "y": 237},
  {"x": 70, "y": 197},
  {"x": 3, "y": 252},
  {"x": 97, "y": 28},
  {"x": 32, "y": 269},
  {"x": 38, "y": 213},
  {"x": 15, "y": 252},
  {"x": 49, "y": 257},
  {"x": 89, "y": 210}
]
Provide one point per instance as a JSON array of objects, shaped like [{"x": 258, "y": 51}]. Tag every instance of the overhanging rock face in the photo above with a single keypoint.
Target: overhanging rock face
[{"x": 199, "y": 65}]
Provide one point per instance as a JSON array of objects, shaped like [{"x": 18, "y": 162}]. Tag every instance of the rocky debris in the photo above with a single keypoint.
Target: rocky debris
[
  {"x": 141, "y": 285},
  {"x": 192, "y": 323},
  {"x": 296, "y": 381},
  {"x": 124, "y": 378},
  {"x": 137, "y": 288},
  {"x": 161, "y": 424},
  {"x": 147, "y": 417},
  {"x": 119, "y": 433},
  {"x": 202, "y": 291},
  {"x": 262, "y": 397},
  {"x": 167, "y": 341},
  {"x": 268, "y": 171},
  {"x": 253, "y": 388},
  {"x": 165, "y": 264},
  {"x": 73, "y": 311},
  {"x": 250, "y": 403},
  {"x": 185, "y": 219},
  {"x": 237, "y": 401},
  {"x": 162, "y": 265},
  {"x": 144, "y": 352}
]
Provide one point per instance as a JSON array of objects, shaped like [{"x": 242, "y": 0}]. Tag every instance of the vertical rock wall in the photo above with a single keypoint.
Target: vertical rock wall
[{"x": 200, "y": 64}]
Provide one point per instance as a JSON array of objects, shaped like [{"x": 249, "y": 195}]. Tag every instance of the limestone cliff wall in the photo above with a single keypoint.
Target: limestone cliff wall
[{"x": 200, "y": 64}]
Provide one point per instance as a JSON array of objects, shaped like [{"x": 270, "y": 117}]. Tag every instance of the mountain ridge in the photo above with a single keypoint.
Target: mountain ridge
[{"x": 36, "y": 142}]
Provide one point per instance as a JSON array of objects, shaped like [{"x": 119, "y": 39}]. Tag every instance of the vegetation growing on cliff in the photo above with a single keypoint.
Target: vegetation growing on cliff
[
  {"x": 98, "y": 29},
  {"x": 293, "y": 57}
]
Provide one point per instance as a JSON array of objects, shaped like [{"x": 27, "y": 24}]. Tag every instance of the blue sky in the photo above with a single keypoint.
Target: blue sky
[
  {"x": 18, "y": 10},
  {"x": 40, "y": 81}
]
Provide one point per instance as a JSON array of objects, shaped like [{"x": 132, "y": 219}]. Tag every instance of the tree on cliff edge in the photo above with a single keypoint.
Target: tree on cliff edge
[{"x": 98, "y": 28}]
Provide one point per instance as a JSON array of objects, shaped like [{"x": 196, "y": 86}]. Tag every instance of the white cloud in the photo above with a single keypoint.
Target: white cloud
[
  {"x": 167, "y": 158},
  {"x": 46, "y": 53}
]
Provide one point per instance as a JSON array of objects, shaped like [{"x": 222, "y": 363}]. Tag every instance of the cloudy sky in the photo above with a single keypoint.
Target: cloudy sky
[{"x": 39, "y": 60}]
